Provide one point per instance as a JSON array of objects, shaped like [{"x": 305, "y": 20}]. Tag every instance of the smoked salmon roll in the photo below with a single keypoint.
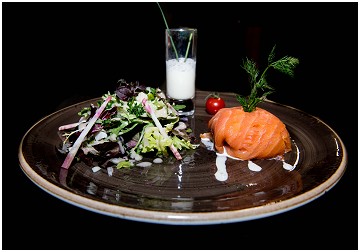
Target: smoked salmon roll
[{"x": 249, "y": 135}]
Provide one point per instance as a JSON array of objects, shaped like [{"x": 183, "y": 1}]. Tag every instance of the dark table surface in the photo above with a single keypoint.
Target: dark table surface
[{"x": 56, "y": 54}]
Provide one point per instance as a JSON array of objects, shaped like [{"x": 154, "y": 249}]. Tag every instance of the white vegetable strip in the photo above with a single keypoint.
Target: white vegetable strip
[
  {"x": 70, "y": 126},
  {"x": 161, "y": 129},
  {"x": 74, "y": 149}
]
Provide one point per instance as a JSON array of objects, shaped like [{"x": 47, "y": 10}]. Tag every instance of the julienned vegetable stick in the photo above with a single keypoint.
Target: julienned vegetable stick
[
  {"x": 74, "y": 149},
  {"x": 161, "y": 129},
  {"x": 70, "y": 126}
]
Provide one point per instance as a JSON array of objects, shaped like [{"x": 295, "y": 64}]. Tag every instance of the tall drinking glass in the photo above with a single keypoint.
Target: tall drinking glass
[{"x": 181, "y": 46}]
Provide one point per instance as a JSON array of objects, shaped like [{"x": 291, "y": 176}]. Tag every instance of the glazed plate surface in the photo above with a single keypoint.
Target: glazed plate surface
[{"x": 187, "y": 192}]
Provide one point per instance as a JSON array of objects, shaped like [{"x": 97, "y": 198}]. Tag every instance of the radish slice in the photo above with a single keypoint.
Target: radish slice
[
  {"x": 71, "y": 125},
  {"x": 161, "y": 129},
  {"x": 74, "y": 149}
]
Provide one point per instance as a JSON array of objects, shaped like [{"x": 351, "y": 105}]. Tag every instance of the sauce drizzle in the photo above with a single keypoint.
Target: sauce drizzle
[{"x": 221, "y": 173}]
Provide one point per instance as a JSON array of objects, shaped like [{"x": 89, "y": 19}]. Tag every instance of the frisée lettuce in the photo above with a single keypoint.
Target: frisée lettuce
[{"x": 124, "y": 126}]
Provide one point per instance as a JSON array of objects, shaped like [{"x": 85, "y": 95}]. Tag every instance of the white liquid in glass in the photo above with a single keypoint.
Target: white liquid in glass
[{"x": 180, "y": 78}]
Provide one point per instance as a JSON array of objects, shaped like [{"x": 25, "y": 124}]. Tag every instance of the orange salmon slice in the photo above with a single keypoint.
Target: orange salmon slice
[{"x": 249, "y": 135}]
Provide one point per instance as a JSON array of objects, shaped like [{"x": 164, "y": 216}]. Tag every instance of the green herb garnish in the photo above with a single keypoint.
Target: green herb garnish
[
  {"x": 167, "y": 28},
  {"x": 178, "y": 106},
  {"x": 135, "y": 108},
  {"x": 172, "y": 42},
  {"x": 187, "y": 49},
  {"x": 285, "y": 65}
]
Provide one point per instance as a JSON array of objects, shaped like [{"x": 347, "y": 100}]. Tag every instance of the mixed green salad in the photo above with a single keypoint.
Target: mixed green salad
[{"x": 124, "y": 126}]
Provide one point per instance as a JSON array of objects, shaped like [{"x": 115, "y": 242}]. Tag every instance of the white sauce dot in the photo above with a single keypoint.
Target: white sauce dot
[
  {"x": 144, "y": 164},
  {"x": 253, "y": 167},
  {"x": 110, "y": 171},
  {"x": 288, "y": 167},
  {"x": 96, "y": 169},
  {"x": 117, "y": 160},
  {"x": 221, "y": 173}
]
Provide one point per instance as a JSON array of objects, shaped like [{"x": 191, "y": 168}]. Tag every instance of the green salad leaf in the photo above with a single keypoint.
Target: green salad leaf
[{"x": 135, "y": 121}]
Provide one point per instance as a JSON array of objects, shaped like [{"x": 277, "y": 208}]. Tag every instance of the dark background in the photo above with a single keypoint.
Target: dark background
[{"x": 55, "y": 54}]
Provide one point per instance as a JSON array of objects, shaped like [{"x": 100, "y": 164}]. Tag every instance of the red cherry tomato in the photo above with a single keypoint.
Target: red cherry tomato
[{"x": 214, "y": 104}]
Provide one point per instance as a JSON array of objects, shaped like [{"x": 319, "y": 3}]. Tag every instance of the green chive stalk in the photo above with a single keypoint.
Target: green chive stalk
[
  {"x": 187, "y": 49},
  {"x": 172, "y": 42}
]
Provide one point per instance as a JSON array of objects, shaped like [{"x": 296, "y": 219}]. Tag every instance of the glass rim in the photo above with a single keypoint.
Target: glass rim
[{"x": 181, "y": 29}]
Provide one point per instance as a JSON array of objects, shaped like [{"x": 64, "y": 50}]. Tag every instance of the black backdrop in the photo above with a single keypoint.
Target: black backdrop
[{"x": 55, "y": 54}]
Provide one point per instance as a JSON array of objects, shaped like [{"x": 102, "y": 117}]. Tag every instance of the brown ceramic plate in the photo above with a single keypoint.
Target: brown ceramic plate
[{"x": 187, "y": 191}]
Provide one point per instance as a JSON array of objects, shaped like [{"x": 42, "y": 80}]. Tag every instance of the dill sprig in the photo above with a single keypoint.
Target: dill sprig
[{"x": 285, "y": 65}]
